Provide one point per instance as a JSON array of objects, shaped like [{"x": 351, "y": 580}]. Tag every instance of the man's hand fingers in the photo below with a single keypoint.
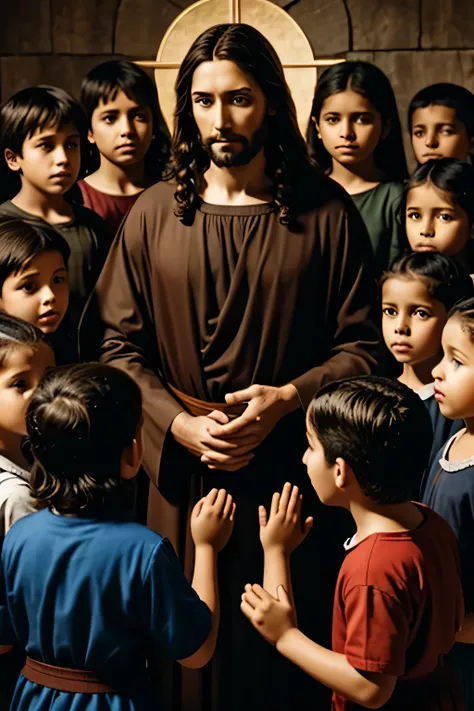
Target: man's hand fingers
[
  {"x": 242, "y": 395},
  {"x": 262, "y": 516},
  {"x": 218, "y": 416}
]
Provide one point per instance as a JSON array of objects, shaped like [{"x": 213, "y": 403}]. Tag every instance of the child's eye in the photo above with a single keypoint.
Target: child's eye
[
  {"x": 363, "y": 119},
  {"x": 389, "y": 311},
  {"x": 20, "y": 385},
  {"x": 44, "y": 147},
  {"x": 141, "y": 117},
  {"x": 59, "y": 279},
  {"x": 73, "y": 144},
  {"x": 331, "y": 120},
  {"x": 423, "y": 314},
  {"x": 418, "y": 133},
  {"x": 456, "y": 363},
  {"x": 445, "y": 217},
  {"x": 447, "y": 132},
  {"x": 29, "y": 287},
  {"x": 108, "y": 119},
  {"x": 413, "y": 215},
  {"x": 203, "y": 101}
]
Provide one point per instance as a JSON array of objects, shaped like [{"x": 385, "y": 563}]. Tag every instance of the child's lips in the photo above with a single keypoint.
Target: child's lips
[
  {"x": 439, "y": 395},
  {"x": 49, "y": 317}
]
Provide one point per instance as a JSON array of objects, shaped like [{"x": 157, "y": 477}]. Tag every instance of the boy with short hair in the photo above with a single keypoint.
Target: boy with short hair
[
  {"x": 441, "y": 122},
  {"x": 398, "y": 602},
  {"x": 41, "y": 132}
]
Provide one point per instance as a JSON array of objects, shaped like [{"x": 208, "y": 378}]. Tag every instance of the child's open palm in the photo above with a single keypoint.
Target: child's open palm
[
  {"x": 283, "y": 530},
  {"x": 212, "y": 519}
]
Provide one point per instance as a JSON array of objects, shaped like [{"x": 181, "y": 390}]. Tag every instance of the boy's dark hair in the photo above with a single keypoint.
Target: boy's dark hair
[
  {"x": 16, "y": 333},
  {"x": 22, "y": 240},
  {"x": 36, "y": 108},
  {"x": 369, "y": 81},
  {"x": 465, "y": 311},
  {"x": 380, "y": 428},
  {"x": 102, "y": 83},
  {"x": 448, "y": 175},
  {"x": 79, "y": 420},
  {"x": 445, "y": 94},
  {"x": 446, "y": 280}
]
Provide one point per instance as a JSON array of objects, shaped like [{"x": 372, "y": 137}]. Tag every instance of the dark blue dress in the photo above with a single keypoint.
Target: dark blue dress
[
  {"x": 100, "y": 595},
  {"x": 443, "y": 429}
]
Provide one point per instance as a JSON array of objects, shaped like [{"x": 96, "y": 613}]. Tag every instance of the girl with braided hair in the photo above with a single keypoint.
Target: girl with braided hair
[{"x": 230, "y": 294}]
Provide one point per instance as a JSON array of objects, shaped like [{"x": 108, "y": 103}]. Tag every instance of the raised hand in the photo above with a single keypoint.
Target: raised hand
[
  {"x": 271, "y": 616},
  {"x": 212, "y": 520},
  {"x": 283, "y": 530}
]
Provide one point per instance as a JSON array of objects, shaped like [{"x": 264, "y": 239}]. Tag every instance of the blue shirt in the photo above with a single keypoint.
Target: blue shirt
[{"x": 97, "y": 595}]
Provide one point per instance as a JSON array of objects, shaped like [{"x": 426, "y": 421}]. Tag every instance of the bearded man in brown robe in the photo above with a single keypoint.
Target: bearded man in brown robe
[{"x": 231, "y": 293}]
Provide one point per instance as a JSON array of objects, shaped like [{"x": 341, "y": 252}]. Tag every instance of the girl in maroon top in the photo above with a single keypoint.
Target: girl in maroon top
[
  {"x": 398, "y": 602},
  {"x": 128, "y": 139}
]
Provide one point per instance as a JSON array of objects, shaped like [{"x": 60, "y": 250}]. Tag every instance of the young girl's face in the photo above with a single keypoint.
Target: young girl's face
[
  {"x": 412, "y": 321},
  {"x": 454, "y": 375},
  {"x": 39, "y": 293},
  {"x": 434, "y": 223},
  {"x": 22, "y": 369},
  {"x": 350, "y": 127},
  {"x": 122, "y": 129}
]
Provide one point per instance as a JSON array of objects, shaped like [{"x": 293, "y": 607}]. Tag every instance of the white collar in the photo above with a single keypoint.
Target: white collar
[
  {"x": 426, "y": 391},
  {"x": 6, "y": 465}
]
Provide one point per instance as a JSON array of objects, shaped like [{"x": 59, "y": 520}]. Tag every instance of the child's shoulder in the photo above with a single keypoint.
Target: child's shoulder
[{"x": 87, "y": 217}]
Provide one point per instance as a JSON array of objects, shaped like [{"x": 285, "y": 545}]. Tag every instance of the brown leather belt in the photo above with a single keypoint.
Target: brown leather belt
[
  {"x": 71, "y": 680},
  {"x": 202, "y": 407}
]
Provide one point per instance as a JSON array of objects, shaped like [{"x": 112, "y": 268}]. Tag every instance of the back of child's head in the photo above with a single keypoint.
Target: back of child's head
[
  {"x": 102, "y": 85},
  {"x": 16, "y": 333},
  {"x": 446, "y": 280},
  {"x": 452, "y": 177},
  {"x": 80, "y": 420},
  {"x": 464, "y": 310},
  {"x": 380, "y": 428},
  {"x": 368, "y": 80},
  {"x": 23, "y": 240},
  {"x": 452, "y": 96},
  {"x": 35, "y": 109}
]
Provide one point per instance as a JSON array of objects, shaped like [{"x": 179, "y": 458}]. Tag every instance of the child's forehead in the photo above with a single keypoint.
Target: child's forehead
[
  {"x": 429, "y": 195},
  {"x": 406, "y": 287},
  {"x": 52, "y": 130},
  {"x": 47, "y": 258},
  {"x": 435, "y": 114},
  {"x": 118, "y": 98}
]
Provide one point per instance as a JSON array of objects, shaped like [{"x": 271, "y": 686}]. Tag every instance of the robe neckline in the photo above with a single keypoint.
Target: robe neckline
[{"x": 262, "y": 208}]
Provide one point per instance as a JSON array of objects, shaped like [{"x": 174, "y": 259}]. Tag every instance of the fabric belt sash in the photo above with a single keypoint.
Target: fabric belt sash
[
  {"x": 71, "y": 680},
  {"x": 202, "y": 407}
]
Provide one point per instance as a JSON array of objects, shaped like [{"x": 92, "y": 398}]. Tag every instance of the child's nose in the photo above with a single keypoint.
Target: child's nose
[
  {"x": 402, "y": 326},
  {"x": 48, "y": 295},
  {"x": 427, "y": 228},
  {"x": 431, "y": 139}
]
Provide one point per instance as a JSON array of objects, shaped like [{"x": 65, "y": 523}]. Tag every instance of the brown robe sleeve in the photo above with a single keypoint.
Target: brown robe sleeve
[
  {"x": 350, "y": 298},
  {"x": 117, "y": 325}
]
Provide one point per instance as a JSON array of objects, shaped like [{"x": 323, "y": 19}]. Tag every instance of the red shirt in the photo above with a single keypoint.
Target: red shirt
[
  {"x": 112, "y": 208},
  {"x": 397, "y": 607}
]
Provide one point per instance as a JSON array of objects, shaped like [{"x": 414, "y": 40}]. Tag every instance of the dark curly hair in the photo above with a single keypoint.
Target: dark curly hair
[
  {"x": 380, "y": 428},
  {"x": 79, "y": 421},
  {"x": 287, "y": 159}
]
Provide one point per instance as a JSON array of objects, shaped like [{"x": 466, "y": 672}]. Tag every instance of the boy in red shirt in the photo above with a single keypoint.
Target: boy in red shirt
[{"x": 398, "y": 601}]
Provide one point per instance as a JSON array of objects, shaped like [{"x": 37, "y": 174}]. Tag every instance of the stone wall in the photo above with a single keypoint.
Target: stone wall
[{"x": 416, "y": 42}]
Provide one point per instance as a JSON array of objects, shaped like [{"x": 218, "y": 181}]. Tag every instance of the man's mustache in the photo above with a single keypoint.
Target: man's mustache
[{"x": 222, "y": 138}]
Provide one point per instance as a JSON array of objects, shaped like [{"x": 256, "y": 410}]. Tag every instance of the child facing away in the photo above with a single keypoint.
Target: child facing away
[
  {"x": 41, "y": 132},
  {"x": 398, "y": 601},
  {"x": 417, "y": 294},
  {"x": 449, "y": 488},
  {"x": 441, "y": 122},
  {"x": 34, "y": 280},
  {"x": 355, "y": 136},
  {"x": 87, "y": 594},
  {"x": 129, "y": 144},
  {"x": 439, "y": 209}
]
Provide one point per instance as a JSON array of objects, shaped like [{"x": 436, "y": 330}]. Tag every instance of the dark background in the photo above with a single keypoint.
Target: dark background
[{"x": 415, "y": 42}]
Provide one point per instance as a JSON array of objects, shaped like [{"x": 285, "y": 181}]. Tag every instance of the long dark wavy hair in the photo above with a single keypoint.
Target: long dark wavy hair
[
  {"x": 369, "y": 81},
  {"x": 287, "y": 160}
]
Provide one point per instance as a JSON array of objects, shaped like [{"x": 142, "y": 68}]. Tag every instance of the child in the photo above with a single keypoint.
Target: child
[
  {"x": 449, "y": 488},
  {"x": 417, "y": 294},
  {"x": 398, "y": 600},
  {"x": 356, "y": 138},
  {"x": 441, "y": 122},
  {"x": 439, "y": 209},
  {"x": 85, "y": 590},
  {"x": 34, "y": 280},
  {"x": 41, "y": 132},
  {"x": 128, "y": 132}
]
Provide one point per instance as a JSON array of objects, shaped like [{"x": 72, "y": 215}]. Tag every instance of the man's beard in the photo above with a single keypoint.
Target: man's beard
[{"x": 249, "y": 149}]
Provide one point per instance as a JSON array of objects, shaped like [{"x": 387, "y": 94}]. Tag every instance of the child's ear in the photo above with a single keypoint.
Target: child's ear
[
  {"x": 313, "y": 119},
  {"x": 132, "y": 456},
  {"x": 11, "y": 159},
  {"x": 90, "y": 136},
  {"x": 387, "y": 127},
  {"x": 342, "y": 474}
]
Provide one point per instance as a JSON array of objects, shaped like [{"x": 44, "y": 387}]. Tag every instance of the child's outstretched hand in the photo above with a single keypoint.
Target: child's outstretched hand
[
  {"x": 212, "y": 519},
  {"x": 270, "y": 616},
  {"x": 283, "y": 530}
]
